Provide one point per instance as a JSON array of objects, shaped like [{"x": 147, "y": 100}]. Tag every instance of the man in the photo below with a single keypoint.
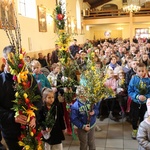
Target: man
[
  {"x": 74, "y": 48},
  {"x": 42, "y": 60},
  {"x": 82, "y": 61},
  {"x": 54, "y": 57},
  {"x": 9, "y": 123}
]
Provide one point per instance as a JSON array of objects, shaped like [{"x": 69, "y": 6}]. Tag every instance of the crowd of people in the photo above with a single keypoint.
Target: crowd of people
[{"x": 125, "y": 67}]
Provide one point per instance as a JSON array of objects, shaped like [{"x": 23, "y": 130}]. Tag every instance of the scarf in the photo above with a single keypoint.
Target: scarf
[{"x": 113, "y": 66}]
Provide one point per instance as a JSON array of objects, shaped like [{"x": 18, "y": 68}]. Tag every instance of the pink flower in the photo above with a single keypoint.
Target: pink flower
[
  {"x": 20, "y": 65},
  {"x": 15, "y": 78}
]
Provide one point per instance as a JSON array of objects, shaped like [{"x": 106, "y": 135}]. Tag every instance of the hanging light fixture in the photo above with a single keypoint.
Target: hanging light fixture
[{"x": 133, "y": 6}]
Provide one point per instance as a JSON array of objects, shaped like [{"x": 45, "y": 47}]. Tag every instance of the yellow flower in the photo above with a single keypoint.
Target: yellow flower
[
  {"x": 22, "y": 76},
  {"x": 32, "y": 107},
  {"x": 39, "y": 147},
  {"x": 92, "y": 54},
  {"x": 21, "y": 143},
  {"x": 21, "y": 56},
  {"x": 25, "y": 95},
  {"x": 92, "y": 68},
  {"x": 10, "y": 57},
  {"x": 30, "y": 114},
  {"x": 31, "y": 133},
  {"x": 16, "y": 94},
  {"x": 12, "y": 71},
  {"x": 27, "y": 147}
]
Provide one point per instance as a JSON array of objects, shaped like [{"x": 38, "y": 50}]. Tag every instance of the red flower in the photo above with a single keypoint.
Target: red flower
[
  {"x": 20, "y": 112},
  {"x": 24, "y": 53},
  {"x": 27, "y": 101},
  {"x": 60, "y": 16},
  {"x": 38, "y": 137},
  {"x": 22, "y": 61},
  {"x": 21, "y": 137},
  {"x": 28, "y": 84},
  {"x": 23, "y": 127},
  {"x": 34, "y": 131},
  {"x": 21, "y": 51}
]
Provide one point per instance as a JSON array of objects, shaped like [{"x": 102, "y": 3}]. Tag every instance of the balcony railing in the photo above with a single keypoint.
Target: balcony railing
[{"x": 88, "y": 14}]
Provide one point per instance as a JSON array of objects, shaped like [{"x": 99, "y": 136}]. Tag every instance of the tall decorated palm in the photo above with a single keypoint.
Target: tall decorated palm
[{"x": 25, "y": 97}]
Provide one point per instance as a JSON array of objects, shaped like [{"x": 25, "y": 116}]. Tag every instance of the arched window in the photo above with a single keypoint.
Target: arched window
[{"x": 78, "y": 14}]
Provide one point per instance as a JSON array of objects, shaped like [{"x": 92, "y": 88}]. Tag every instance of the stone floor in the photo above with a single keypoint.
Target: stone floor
[{"x": 114, "y": 136}]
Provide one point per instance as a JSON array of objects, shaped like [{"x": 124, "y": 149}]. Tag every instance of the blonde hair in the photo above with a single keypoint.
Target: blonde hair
[
  {"x": 54, "y": 65},
  {"x": 108, "y": 71},
  {"x": 45, "y": 92},
  {"x": 35, "y": 63}
]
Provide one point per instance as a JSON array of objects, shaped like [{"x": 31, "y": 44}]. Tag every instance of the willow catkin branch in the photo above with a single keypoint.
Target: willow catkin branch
[
  {"x": 8, "y": 35},
  {"x": 17, "y": 32}
]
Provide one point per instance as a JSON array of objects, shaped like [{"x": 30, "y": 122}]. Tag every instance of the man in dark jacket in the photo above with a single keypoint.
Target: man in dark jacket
[
  {"x": 54, "y": 57},
  {"x": 42, "y": 60},
  {"x": 9, "y": 123},
  {"x": 74, "y": 48}
]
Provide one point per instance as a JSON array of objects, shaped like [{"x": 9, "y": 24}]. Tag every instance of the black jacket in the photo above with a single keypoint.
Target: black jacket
[
  {"x": 129, "y": 75},
  {"x": 56, "y": 134},
  {"x": 54, "y": 57},
  {"x": 10, "y": 129}
]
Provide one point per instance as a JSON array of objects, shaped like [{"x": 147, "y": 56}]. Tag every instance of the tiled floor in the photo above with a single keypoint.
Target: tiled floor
[{"x": 114, "y": 136}]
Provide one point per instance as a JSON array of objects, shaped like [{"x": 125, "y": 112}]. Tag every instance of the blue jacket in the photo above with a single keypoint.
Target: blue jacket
[
  {"x": 133, "y": 90},
  {"x": 79, "y": 113}
]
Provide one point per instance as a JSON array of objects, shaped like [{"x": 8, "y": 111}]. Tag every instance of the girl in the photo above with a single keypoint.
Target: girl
[
  {"x": 145, "y": 59},
  {"x": 111, "y": 82},
  {"x": 39, "y": 76},
  {"x": 121, "y": 92},
  {"x": 51, "y": 121}
]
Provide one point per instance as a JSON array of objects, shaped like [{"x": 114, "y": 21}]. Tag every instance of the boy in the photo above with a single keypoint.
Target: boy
[
  {"x": 84, "y": 120},
  {"x": 139, "y": 91}
]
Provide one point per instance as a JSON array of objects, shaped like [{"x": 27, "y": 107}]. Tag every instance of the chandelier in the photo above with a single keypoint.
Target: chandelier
[{"x": 132, "y": 6}]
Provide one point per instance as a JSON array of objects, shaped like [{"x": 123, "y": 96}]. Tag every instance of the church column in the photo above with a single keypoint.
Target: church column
[{"x": 131, "y": 26}]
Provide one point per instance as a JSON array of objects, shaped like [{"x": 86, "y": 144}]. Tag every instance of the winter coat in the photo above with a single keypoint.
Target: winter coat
[
  {"x": 129, "y": 75},
  {"x": 42, "y": 81},
  {"x": 79, "y": 114},
  {"x": 133, "y": 90}
]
